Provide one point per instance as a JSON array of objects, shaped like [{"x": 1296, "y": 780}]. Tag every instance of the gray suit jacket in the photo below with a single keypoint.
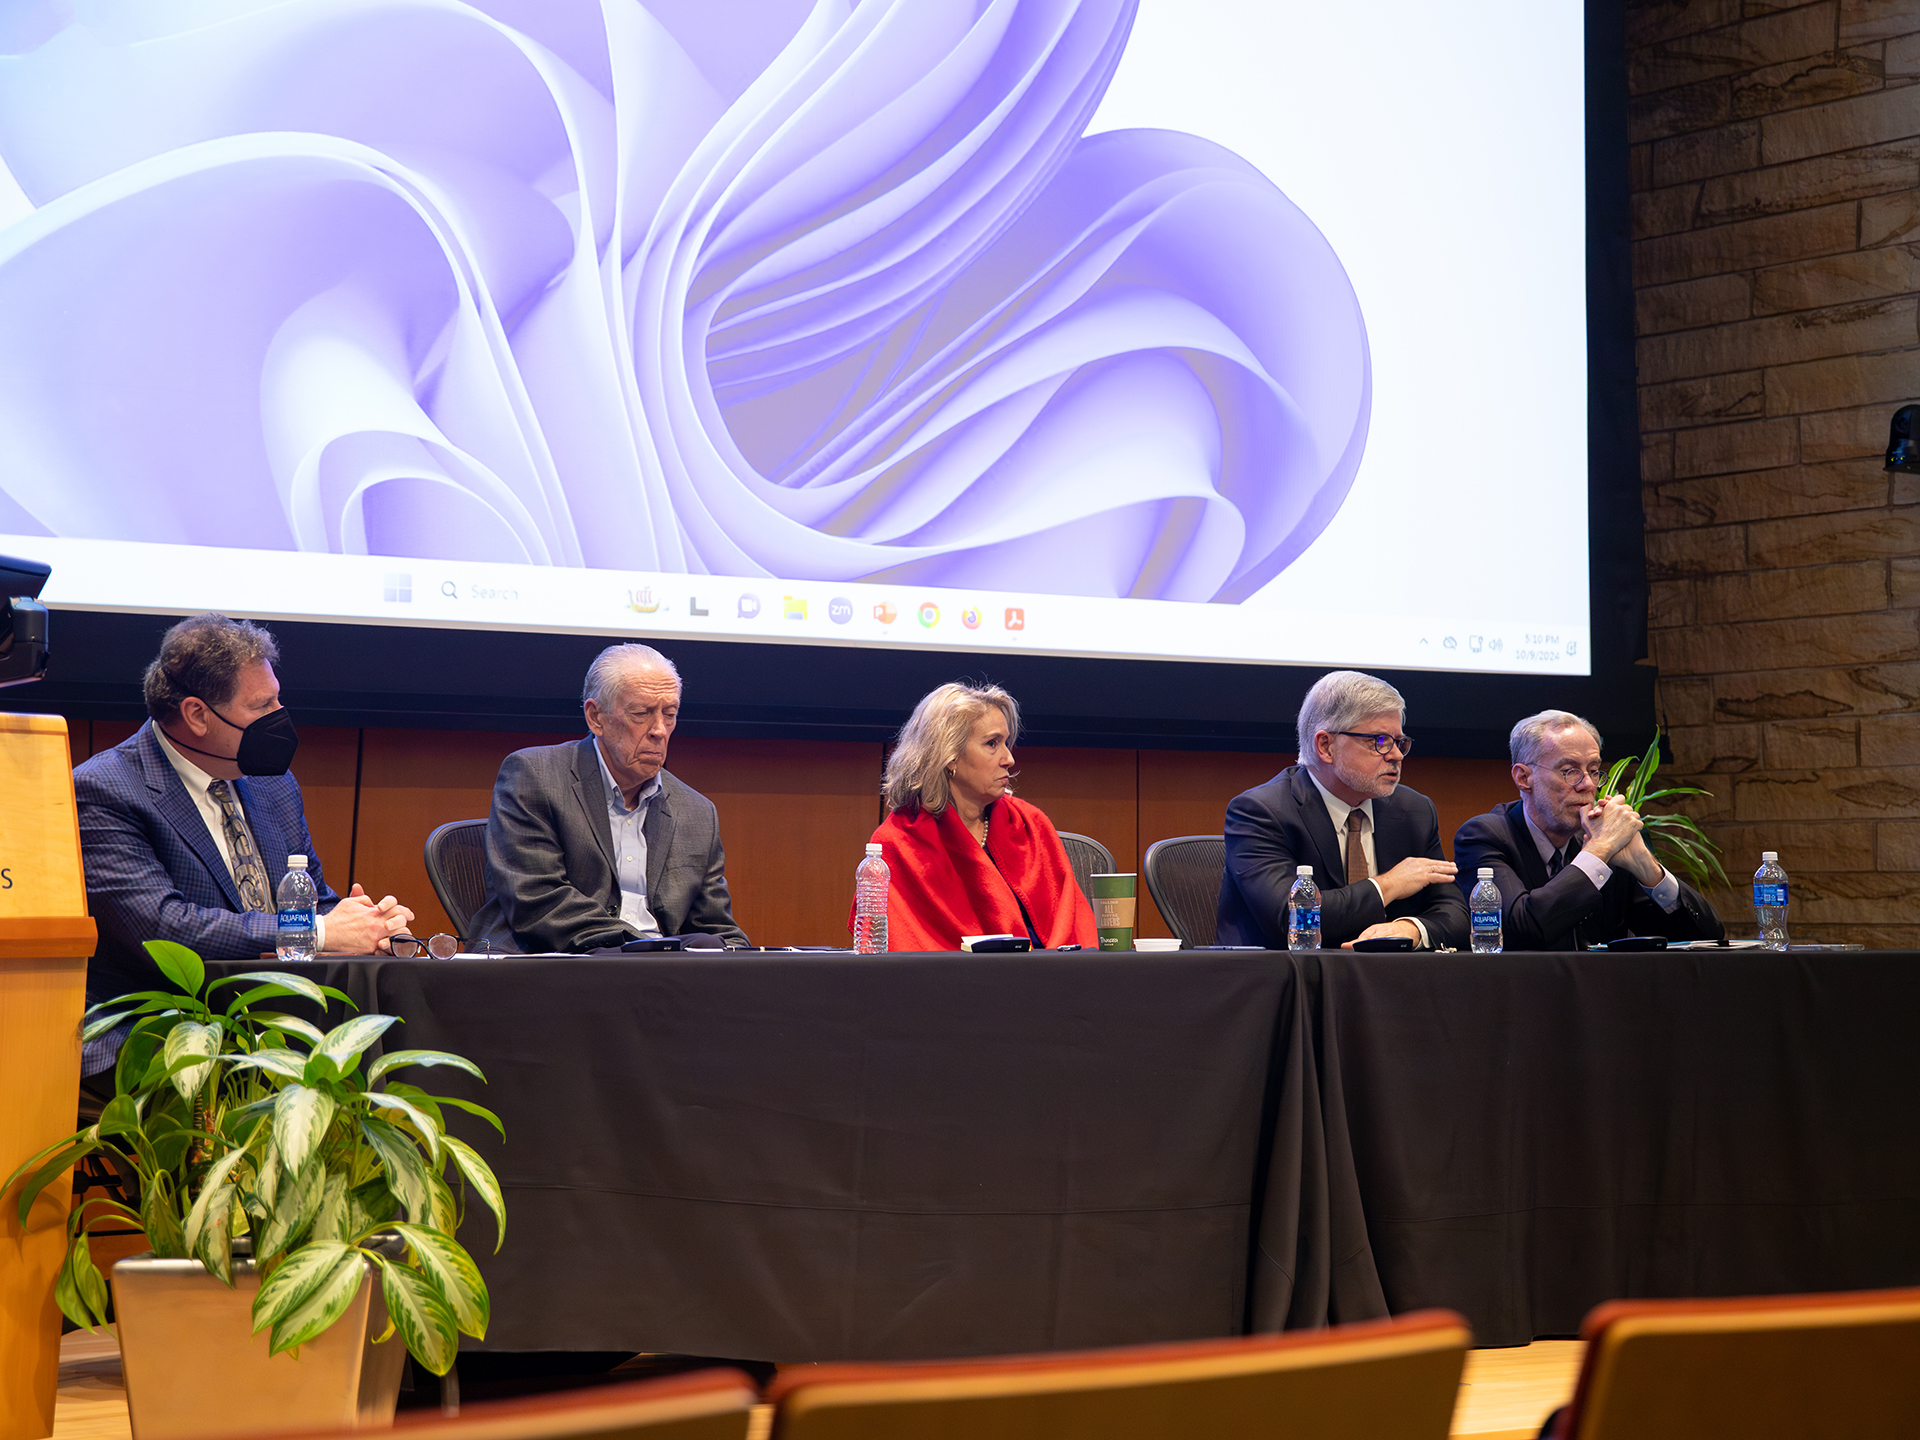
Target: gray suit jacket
[{"x": 551, "y": 882}]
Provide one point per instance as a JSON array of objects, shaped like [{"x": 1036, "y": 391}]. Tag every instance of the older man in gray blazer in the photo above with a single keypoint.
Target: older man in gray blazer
[{"x": 593, "y": 843}]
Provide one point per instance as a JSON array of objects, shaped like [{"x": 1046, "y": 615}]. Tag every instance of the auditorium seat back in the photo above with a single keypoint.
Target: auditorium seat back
[
  {"x": 1381, "y": 1380},
  {"x": 1088, "y": 858},
  {"x": 457, "y": 866},
  {"x": 1780, "y": 1367},
  {"x": 1183, "y": 876}
]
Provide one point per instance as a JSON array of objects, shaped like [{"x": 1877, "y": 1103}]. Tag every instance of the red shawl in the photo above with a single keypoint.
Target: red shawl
[{"x": 944, "y": 886}]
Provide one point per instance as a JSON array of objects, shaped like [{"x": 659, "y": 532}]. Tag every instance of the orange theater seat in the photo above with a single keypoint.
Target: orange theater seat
[
  {"x": 1773, "y": 1367},
  {"x": 1381, "y": 1380},
  {"x": 705, "y": 1405}
]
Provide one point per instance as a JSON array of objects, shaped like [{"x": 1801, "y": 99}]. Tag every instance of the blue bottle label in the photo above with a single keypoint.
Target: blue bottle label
[
  {"x": 296, "y": 920},
  {"x": 1486, "y": 922},
  {"x": 1306, "y": 919},
  {"x": 1770, "y": 893}
]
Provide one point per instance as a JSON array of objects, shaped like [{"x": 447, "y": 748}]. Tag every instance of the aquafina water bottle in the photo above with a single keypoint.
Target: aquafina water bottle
[
  {"x": 870, "y": 904},
  {"x": 1770, "y": 901},
  {"x": 297, "y": 898},
  {"x": 1485, "y": 905},
  {"x": 1303, "y": 912}
]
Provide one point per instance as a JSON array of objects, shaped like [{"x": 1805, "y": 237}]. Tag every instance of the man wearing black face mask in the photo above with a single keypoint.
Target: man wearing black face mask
[{"x": 185, "y": 828}]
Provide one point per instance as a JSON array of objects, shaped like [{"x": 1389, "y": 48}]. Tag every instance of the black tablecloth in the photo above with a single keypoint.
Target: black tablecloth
[{"x": 816, "y": 1157}]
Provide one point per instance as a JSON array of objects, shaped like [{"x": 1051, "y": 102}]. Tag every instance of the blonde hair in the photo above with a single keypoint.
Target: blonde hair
[{"x": 932, "y": 739}]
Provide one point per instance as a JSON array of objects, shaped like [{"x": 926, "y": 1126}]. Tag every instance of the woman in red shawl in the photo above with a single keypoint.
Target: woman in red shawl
[{"x": 966, "y": 857}]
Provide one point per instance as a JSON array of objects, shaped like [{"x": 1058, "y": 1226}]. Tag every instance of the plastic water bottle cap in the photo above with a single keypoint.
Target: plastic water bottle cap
[
  {"x": 1767, "y": 857},
  {"x": 873, "y": 847},
  {"x": 1304, "y": 870},
  {"x": 1486, "y": 872},
  {"x": 296, "y": 862}
]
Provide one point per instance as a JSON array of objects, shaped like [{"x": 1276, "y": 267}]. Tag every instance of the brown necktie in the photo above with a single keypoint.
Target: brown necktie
[
  {"x": 1356, "y": 852},
  {"x": 249, "y": 875}
]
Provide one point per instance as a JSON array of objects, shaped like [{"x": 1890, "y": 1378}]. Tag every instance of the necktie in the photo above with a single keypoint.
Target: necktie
[
  {"x": 1557, "y": 863},
  {"x": 1356, "y": 851},
  {"x": 248, "y": 873}
]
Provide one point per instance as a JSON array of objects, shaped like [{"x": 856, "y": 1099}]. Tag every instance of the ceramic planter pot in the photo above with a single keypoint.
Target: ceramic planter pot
[{"x": 195, "y": 1370}]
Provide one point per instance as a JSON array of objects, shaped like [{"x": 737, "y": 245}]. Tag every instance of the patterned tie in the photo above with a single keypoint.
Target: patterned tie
[
  {"x": 1556, "y": 864},
  {"x": 248, "y": 873},
  {"x": 1356, "y": 851}
]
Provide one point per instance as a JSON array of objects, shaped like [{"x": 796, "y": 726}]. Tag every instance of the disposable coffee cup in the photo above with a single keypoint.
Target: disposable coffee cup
[{"x": 1113, "y": 901}]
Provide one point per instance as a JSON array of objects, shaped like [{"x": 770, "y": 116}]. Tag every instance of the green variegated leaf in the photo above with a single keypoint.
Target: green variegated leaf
[
  {"x": 160, "y": 1218},
  {"x": 419, "y": 1098},
  {"x": 190, "y": 1038},
  {"x": 480, "y": 1176},
  {"x": 421, "y": 1314},
  {"x": 278, "y": 1061},
  {"x": 81, "y": 1291},
  {"x": 406, "y": 1173},
  {"x": 178, "y": 964},
  {"x": 472, "y": 1109},
  {"x": 298, "y": 1202},
  {"x": 369, "y": 1206},
  {"x": 394, "y": 1059},
  {"x": 323, "y": 1303},
  {"x": 429, "y": 1131},
  {"x": 215, "y": 1250},
  {"x": 449, "y": 1266},
  {"x": 292, "y": 1024},
  {"x": 294, "y": 1280},
  {"x": 330, "y": 1220},
  {"x": 121, "y": 1116},
  {"x": 443, "y": 1213},
  {"x": 94, "y": 1029},
  {"x": 199, "y": 1218},
  {"x": 64, "y": 1151},
  {"x": 273, "y": 981},
  {"x": 300, "y": 1119},
  {"x": 345, "y": 1042}
]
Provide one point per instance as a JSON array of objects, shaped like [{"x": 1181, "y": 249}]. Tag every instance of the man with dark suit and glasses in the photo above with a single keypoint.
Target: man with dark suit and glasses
[
  {"x": 1374, "y": 845},
  {"x": 1573, "y": 870},
  {"x": 185, "y": 828},
  {"x": 593, "y": 844}
]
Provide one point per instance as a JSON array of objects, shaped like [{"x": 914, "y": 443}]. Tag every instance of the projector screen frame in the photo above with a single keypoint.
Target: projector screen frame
[{"x": 501, "y": 680}]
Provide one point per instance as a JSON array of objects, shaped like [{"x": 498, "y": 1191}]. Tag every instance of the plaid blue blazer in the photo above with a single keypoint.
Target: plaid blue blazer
[{"x": 154, "y": 870}]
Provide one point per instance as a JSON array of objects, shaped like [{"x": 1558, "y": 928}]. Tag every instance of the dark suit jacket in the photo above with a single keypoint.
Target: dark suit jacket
[
  {"x": 1566, "y": 912},
  {"x": 154, "y": 870},
  {"x": 551, "y": 880},
  {"x": 1276, "y": 827}
]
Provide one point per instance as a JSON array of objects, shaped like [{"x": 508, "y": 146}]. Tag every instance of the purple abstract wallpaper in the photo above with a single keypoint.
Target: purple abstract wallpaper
[{"x": 839, "y": 291}]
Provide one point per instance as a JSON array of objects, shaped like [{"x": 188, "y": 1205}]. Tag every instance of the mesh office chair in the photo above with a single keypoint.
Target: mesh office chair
[
  {"x": 1183, "y": 876},
  {"x": 457, "y": 866},
  {"x": 1088, "y": 858}
]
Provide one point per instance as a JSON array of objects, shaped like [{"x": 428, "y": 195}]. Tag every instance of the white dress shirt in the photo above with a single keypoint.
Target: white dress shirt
[
  {"x": 1339, "y": 810},
  {"x": 1666, "y": 894},
  {"x": 630, "y": 847},
  {"x": 199, "y": 789}
]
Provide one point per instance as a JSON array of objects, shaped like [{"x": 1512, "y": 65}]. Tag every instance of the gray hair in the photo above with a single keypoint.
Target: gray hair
[
  {"x": 932, "y": 740},
  {"x": 203, "y": 657},
  {"x": 1531, "y": 733},
  {"x": 608, "y": 674},
  {"x": 1340, "y": 700}
]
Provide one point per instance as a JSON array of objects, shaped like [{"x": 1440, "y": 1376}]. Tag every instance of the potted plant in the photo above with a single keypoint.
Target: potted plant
[
  {"x": 278, "y": 1177},
  {"x": 1675, "y": 840}
]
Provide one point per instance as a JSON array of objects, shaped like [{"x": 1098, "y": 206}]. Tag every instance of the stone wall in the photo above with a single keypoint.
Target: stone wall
[{"x": 1776, "y": 227}]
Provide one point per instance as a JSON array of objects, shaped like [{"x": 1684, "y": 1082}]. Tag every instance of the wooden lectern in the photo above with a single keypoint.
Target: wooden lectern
[{"x": 45, "y": 939}]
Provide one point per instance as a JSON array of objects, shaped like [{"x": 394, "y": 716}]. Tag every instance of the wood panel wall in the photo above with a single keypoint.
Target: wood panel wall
[{"x": 793, "y": 814}]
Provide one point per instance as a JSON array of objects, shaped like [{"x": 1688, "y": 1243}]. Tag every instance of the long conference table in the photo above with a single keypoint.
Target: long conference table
[{"x": 803, "y": 1157}]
